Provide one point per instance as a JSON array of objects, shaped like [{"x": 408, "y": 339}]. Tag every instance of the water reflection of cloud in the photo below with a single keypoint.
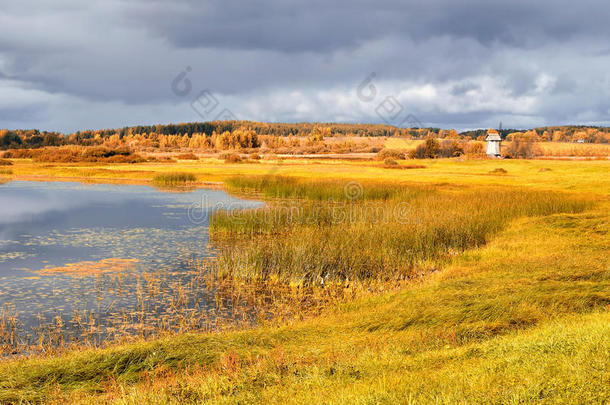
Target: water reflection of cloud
[
  {"x": 18, "y": 204},
  {"x": 25, "y": 201}
]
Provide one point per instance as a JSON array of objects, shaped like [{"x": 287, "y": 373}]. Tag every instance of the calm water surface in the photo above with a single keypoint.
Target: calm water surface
[{"x": 61, "y": 245}]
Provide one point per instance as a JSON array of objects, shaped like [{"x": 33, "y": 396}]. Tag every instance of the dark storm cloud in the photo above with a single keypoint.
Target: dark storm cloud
[
  {"x": 324, "y": 26},
  {"x": 465, "y": 64}
]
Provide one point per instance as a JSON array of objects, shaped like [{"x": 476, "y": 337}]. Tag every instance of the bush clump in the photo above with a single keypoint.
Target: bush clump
[
  {"x": 232, "y": 158},
  {"x": 4, "y": 162},
  {"x": 390, "y": 154},
  {"x": 521, "y": 149},
  {"x": 427, "y": 150},
  {"x": 67, "y": 154},
  {"x": 187, "y": 156},
  {"x": 433, "y": 149},
  {"x": 475, "y": 149}
]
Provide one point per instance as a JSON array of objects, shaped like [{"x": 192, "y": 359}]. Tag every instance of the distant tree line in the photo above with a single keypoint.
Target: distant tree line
[{"x": 222, "y": 135}]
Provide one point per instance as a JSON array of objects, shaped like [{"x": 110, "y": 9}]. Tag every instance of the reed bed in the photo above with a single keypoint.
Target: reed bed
[
  {"x": 390, "y": 232},
  {"x": 320, "y": 189},
  {"x": 173, "y": 179},
  {"x": 163, "y": 303}
]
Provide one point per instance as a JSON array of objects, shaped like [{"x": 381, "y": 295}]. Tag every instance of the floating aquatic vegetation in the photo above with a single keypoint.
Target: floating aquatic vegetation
[{"x": 87, "y": 268}]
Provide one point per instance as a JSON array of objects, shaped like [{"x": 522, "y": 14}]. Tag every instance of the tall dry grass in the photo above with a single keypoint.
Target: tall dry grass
[
  {"x": 173, "y": 179},
  {"x": 387, "y": 232},
  {"x": 560, "y": 149}
]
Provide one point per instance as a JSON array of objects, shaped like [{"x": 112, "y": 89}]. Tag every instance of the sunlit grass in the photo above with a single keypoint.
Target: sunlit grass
[
  {"x": 173, "y": 179},
  {"x": 580, "y": 176},
  {"x": 506, "y": 322},
  {"x": 508, "y": 304},
  {"x": 383, "y": 233},
  {"x": 402, "y": 143}
]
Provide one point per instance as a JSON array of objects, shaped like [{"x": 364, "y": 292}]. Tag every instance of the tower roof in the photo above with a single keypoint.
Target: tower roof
[{"x": 493, "y": 135}]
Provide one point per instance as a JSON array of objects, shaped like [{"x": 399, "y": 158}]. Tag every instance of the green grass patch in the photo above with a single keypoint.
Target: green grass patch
[{"x": 173, "y": 179}]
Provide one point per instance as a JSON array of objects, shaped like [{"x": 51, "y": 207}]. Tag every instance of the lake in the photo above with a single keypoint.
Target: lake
[{"x": 100, "y": 260}]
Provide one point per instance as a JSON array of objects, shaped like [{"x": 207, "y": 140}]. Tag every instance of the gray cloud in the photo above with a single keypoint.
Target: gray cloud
[{"x": 68, "y": 65}]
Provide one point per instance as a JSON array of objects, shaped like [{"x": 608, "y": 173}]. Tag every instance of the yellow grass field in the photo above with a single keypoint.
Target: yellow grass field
[
  {"x": 574, "y": 149},
  {"x": 521, "y": 318},
  {"x": 402, "y": 143},
  {"x": 589, "y": 175}
]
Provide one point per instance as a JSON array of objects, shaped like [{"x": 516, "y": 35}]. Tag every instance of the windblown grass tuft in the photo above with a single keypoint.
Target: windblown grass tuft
[{"x": 173, "y": 179}]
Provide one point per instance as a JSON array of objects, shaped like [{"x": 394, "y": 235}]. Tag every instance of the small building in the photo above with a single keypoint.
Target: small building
[{"x": 493, "y": 140}]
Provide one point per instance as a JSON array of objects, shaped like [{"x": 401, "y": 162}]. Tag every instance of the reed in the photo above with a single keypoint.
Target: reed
[
  {"x": 173, "y": 179},
  {"x": 321, "y": 189},
  {"x": 390, "y": 232}
]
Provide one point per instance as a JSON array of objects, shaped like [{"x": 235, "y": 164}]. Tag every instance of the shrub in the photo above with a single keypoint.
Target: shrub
[
  {"x": 4, "y": 162},
  {"x": 390, "y": 162},
  {"x": 427, "y": 150},
  {"x": 390, "y": 154},
  {"x": 232, "y": 158},
  {"x": 163, "y": 158},
  {"x": 19, "y": 154},
  {"x": 66, "y": 154},
  {"x": 187, "y": 156},
  {"x": 450, "y": 148},
  {"x": 520, "y": 149},
  {"x": 255, "y": 156},
  {"x": 475, "y": 149},
  {"x": 102, "y": 153}
]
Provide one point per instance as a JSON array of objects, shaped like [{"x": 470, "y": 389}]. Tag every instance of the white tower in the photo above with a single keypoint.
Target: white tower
[{"x": 493, "y": 143}]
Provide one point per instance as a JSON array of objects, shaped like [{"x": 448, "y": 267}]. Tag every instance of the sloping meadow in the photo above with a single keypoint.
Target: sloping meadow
[{"x": 320, "y": 231}]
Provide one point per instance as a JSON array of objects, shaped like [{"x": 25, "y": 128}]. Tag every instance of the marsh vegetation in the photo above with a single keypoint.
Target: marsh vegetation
[
  {"x": 465, "y": 279},
  {"x": 174, "y": 179},
  {"x": 339, "y": 232}
]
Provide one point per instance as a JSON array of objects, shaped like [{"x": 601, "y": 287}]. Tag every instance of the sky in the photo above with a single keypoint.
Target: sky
[{"x": 67, "y": 65}]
